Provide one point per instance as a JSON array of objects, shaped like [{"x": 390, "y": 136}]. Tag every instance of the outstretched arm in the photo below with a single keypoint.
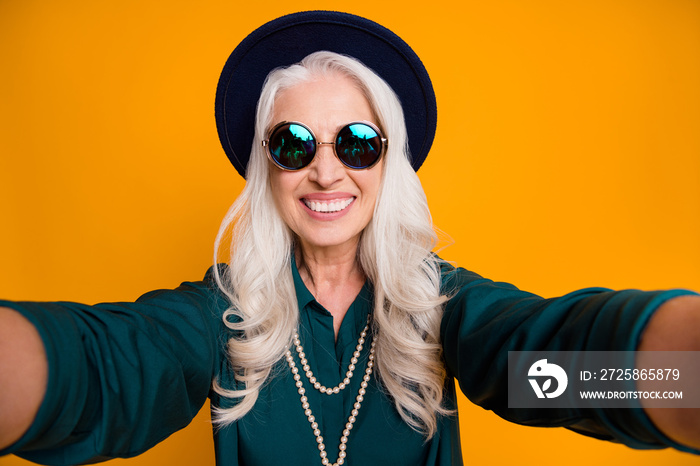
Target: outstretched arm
[
  {"x": 23, "y": 375},
  {"x": 95, "y": 382},
  {"x": 675, "y": 326},
  {"x": 484, "y": 320}
]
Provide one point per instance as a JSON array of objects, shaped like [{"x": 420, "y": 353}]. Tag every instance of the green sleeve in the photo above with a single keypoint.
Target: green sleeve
[
  {"x": 122, "y": 376},
  {"x": 484, "y": 320}
]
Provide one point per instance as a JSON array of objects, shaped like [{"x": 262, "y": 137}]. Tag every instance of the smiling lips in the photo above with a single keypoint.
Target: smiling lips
[{"x": 328, "y": 206}]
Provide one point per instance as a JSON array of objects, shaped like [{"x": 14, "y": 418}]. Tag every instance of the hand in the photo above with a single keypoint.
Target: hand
[
  {"x": 23, "y": 375},
  {"x": 675, "y": 326}
]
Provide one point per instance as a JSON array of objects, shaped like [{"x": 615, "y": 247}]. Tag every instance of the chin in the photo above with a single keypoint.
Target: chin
[{"x": 328, "y": 240}]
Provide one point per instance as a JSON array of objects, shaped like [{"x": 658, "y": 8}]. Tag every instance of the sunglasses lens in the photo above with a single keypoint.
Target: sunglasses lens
[
  {"x": 358, "y": 145},
  {"x": 292, "y": 146}
]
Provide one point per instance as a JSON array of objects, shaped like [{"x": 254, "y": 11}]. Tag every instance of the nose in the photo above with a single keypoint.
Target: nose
[{"x": 326, "y": 170}]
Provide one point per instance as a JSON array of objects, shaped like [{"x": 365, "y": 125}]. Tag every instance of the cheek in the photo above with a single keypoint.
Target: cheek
[
  {"x": 283, "y": 187},
  {"x": 370, "y": 186}
]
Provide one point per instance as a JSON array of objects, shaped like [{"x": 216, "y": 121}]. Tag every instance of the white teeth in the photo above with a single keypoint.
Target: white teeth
[{"x": 333, "y": 206}]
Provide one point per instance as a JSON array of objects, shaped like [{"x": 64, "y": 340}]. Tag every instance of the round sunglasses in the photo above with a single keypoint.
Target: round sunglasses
[{"x": 292, "y": 145}]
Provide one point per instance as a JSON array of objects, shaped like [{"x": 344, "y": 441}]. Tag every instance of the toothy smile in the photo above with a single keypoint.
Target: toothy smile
[{"x": 335, "y": 205}]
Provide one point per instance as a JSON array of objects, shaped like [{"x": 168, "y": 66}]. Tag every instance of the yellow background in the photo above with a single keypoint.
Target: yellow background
[{"x": 567, "y": 155}]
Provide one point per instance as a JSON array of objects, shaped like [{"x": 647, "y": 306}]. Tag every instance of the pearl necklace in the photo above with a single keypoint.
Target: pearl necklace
[
  {"x": 342, "y": 455},
  {"x": 348, "y": 375}
]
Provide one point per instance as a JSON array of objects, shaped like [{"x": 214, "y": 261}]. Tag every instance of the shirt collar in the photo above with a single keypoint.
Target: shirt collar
[{"x": 304, "y": 296}]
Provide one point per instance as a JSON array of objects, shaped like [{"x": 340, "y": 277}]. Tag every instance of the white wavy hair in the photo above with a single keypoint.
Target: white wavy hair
[{"x": 394, "y": 253}]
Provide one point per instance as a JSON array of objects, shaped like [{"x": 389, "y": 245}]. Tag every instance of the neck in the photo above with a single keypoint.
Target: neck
[
  {"x": 322, "y": 268},
  {"x": 335, "y": 278}
]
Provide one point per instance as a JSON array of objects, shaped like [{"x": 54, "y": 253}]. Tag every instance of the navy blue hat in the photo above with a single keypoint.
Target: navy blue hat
[{"x": 287, "y": 40}]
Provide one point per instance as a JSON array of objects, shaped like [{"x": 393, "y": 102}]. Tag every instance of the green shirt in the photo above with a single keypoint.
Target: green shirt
[{"x": 124, "y": 376}]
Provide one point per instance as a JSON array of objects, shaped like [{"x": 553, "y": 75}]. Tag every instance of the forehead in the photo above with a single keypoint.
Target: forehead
[{"x": 323, "y": 103}]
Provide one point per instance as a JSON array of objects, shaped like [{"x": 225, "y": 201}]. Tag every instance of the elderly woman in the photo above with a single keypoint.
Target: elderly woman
[{"x": 333, "y": 334}]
